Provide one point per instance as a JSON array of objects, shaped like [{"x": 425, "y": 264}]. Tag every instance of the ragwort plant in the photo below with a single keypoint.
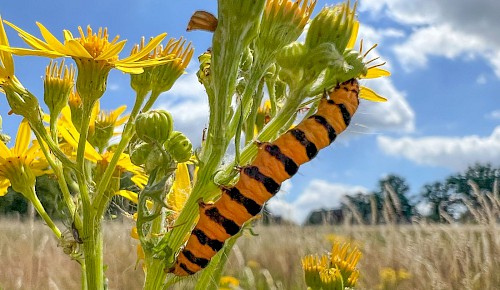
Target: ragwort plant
[{"x": 254, "y": 48}]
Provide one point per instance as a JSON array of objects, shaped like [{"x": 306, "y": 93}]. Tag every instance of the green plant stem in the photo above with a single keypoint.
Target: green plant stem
[
  {"x": 39, "y": 129},
  {"x": 80, "y": 155},
  {"x": 276, "y": 124},
  {"x": 30, "y": 194},
  {"x": 152, "y": 99},
  {"x": 61, "y": 180},
  {"x": 84, "y": 275},
  {"x": 93, "y": 249},
  {"x": 256, "y": 75},
  {"x": 101, "y": 199},
  {"x": 249, "y": 133},
  {"x": 155, "y": 275}
]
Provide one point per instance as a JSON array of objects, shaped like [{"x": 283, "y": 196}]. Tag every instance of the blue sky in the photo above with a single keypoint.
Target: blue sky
[{"x": 443, "y": 111}]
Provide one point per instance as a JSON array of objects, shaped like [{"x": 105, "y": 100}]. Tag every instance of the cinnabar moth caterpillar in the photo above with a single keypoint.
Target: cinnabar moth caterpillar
[{"x": 275, "y": 162}]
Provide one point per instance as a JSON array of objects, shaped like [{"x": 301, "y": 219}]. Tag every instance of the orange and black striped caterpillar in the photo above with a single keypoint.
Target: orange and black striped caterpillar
[{"x": 259, "y": 181}]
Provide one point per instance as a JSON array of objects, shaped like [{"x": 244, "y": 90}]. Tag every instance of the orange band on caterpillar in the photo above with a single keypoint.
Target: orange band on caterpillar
[{"x": 275, "y": 162}]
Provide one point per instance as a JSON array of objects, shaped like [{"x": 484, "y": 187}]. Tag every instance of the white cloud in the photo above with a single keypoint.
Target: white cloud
[
  {"x": 394, "y": 115},
  {"x": 494, "y": 115},
  {"x": 451, "y": 152},
  {"x": 318, "y": 194},
  {"x": 446, "y": 28},
  {"x": 440, "y": 40}
]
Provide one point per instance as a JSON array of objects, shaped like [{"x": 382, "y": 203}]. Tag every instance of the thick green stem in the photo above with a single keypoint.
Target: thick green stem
[
  {"x": 84, "y": 276},
  {"x": 93, "y": 249},
  {"x": 155, "y": 275}
]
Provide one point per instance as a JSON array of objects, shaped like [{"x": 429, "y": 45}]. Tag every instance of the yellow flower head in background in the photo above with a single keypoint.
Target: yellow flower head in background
[
  {"x": 228, "y": 283},
  {"x": 20, "y": 165},
  {"x": 332, "y": 270}
]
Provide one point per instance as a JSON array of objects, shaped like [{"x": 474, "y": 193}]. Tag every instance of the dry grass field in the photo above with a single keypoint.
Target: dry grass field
[{"x": 405, "y": 257}]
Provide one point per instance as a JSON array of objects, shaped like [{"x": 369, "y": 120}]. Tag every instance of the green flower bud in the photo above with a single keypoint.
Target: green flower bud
[
  {"x": 332, "y": 25},
  {"x": 292, "y": 55},
  {"x": 140, "y": 153},
  {"x": 58, "y": 83},
  {"x": 179, "y": 146},
  {"x": 154, "y": 126}
]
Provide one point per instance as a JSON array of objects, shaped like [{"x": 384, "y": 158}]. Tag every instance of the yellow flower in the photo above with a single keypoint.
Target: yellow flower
[
  {"x": 312, "y": 266},
  {"x": 331, "y": 279},
  {"x": 228, "y": 283},
  {"x": 92, "y": 46},
  {"x": 321, "y": 272},
  {"x": 20, "y": 165},
  {"x": 93, "y": 54},
  {"x": 345, "y": 259}
]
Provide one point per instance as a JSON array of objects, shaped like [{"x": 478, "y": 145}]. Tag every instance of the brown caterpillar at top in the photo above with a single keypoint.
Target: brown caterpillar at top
[{"x": 260, "y": 180}]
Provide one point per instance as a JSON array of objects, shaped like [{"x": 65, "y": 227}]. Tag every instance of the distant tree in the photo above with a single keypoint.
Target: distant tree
[
  {"x": 361, "y": 204},
  {"x": 402, "y": 189},
  {"x": 444, "y": 195},
  {"x": 483, "y": 175},
  {"x": 437, "y": 195},
  {"x": 325, "y": 216},
  {"x": 13, "y": 203}
]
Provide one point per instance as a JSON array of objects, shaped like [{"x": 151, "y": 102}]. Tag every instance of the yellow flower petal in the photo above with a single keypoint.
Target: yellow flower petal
[
  {"x": 4, "y": 185},
  {"x": 22, "y": 139},
  {"x": 132, "y": 196},
  {"x": 4, "y": 151},
  {"x": 181, "y": 188},
  {"x": 112, "y": 51},
  {"x": 354, "y": 35},
  {"x": 143, "y": 52},
  {"x": 140, "y": 180},
  {"x": 25, "y": 52},
  {"x": 370, "y": 95},
  {"x": 77, "y": 49},
  {"x": 71, "y": 136},
  {"x": 30, "y": 39},
  {"x": 51, "y": 40},
  {"x": 6, "y": 57},
  {"x": 376, "y": 73}
]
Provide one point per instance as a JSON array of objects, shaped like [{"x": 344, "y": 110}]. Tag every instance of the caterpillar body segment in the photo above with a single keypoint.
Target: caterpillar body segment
[{"x": 274, "y": 163}]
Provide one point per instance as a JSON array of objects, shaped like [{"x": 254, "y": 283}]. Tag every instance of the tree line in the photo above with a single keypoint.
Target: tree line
[{"x": 458, "y": 198}]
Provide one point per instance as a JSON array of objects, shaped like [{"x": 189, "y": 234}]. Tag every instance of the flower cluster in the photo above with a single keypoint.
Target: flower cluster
[{"x": 337, "y": 270}]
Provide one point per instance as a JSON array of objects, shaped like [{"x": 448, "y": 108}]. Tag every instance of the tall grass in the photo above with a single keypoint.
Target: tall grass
[{"x": 447, "y": 256}]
